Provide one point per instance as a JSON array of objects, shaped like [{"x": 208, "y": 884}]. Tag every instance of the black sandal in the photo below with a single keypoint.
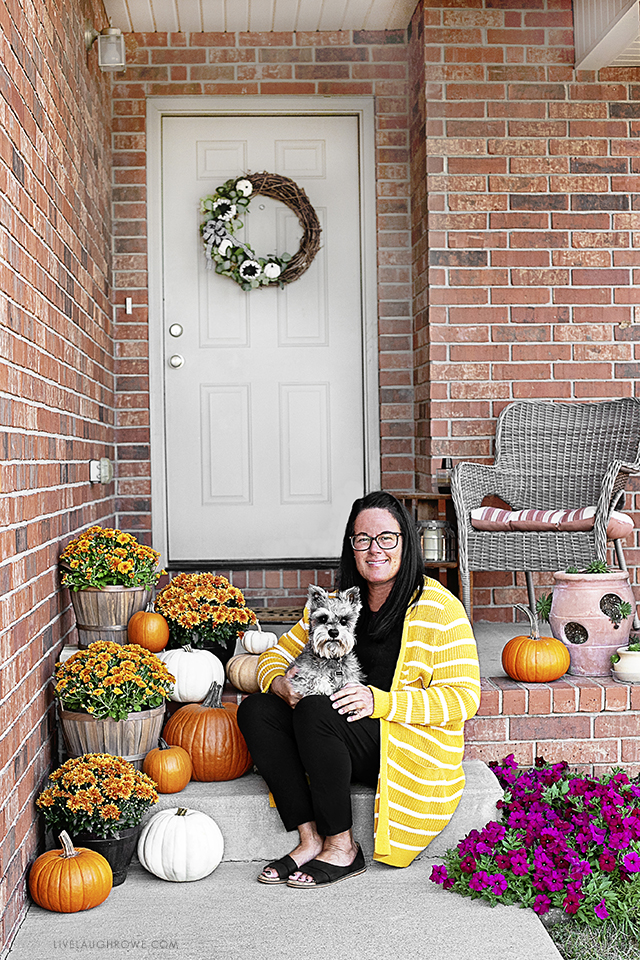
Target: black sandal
[
  {"x": 283, "y": 867},
  {"x": 324, "y": 874}
]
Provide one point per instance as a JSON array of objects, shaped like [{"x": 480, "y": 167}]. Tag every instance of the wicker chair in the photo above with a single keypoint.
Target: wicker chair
[{"x": 548, "y": 456}]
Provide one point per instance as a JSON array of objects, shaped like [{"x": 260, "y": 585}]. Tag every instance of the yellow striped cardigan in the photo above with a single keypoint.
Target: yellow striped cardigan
[{"x": 435, "y": 688}]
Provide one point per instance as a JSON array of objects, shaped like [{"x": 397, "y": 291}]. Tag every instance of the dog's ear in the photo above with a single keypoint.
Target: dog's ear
[
  {"x": 352, "y": 596},
  {"x": 317, "y": 597}
]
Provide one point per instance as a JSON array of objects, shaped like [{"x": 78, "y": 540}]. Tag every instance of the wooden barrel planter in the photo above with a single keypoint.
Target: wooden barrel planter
[
  {"x": 131, "y": 739},
  {"x": 104, "y": 614}
]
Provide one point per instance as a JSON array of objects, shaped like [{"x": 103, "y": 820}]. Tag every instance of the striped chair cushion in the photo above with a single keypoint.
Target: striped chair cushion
[{"x": 494, "y": 520}]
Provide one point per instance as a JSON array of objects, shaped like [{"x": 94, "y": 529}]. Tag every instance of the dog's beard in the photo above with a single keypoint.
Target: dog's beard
[{"x": 330, "y": 648}]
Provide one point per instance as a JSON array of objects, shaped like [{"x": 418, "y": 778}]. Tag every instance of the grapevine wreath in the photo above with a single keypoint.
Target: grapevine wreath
[{"x": 238, "y": 260}]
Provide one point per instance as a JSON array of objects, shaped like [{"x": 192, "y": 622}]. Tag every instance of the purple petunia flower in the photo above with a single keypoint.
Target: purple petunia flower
[
  {"x": 632, "y": 862},
  {"x": 600, "y": 910},
  {"x": 468, "y": 865},
  {"x": 479, "y": 880},
  {"x": 498, "y": 883},
  {"x": 607, "y": 861},
  {"x": 619, "y": 839},
  {"x": 571, "y": 904},
  {"x": 541, "y": 904},
  {"x": 519, "y": 866},
  {"x": 598, "y": 834},
  {"x": 439, "y": 874}
]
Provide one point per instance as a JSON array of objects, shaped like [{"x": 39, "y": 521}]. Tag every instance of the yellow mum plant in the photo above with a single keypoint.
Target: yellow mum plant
[
  {"x": 96, "y": 793},
  {"x": 109, "y": 680},
  {"x": 103, "y": 557},
  {"x": 199, "y": 607}
]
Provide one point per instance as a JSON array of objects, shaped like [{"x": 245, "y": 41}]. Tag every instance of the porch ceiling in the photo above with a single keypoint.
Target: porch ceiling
[{"x": 148, "y": 16}]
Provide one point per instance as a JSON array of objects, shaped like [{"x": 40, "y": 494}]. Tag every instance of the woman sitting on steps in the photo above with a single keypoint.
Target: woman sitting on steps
[{"x": 401, "y": 730}]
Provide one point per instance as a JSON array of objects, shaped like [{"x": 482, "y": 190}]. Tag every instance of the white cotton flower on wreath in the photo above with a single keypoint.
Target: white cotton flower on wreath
[
  {"x": 272, "y": 271},
  {"x": 224, "y": 247},
  {"x": 250, "y": 270},
  {"x": 224, "y": 209},
  {"x": 245, "y": 187}
]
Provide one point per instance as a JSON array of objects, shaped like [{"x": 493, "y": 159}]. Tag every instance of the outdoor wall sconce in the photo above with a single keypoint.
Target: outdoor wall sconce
[
  {"x": 111, "y": 52},
  {"x": 100, "y": 471}
]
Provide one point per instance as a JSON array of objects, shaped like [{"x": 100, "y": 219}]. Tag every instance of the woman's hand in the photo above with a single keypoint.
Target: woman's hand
[
  {"x": 283, "y": 689},
  {"x": 355, "y": 700}
]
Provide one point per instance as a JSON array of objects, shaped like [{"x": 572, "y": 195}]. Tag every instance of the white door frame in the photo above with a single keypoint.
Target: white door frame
[{"x": 158, "y": 108}]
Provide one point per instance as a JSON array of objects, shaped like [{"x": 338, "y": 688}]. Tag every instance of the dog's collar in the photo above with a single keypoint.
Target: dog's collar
[{"x": 336, "y": 668}]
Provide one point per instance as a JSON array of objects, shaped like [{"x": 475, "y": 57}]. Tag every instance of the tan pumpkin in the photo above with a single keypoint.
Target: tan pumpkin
[
  {"x": 170, "y": 767},
  {"x": 70, "y": 879},
  {"x": 148, "y": 630},
  {"x": 259, "y": 640},
  {"x": 242, "y": 672},
  {"x": 210, "y": 734},
  {"x": 535, "y": 659}
]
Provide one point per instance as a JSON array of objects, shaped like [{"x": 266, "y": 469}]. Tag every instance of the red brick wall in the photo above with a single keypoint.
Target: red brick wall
[
  {"x": 533, "y": 242},
  {"x": 348, "y": 63},
  {"x": 592, "y": 723},
  {"x": 419, "y": 247},
  {"x": 56, "y": 377}
]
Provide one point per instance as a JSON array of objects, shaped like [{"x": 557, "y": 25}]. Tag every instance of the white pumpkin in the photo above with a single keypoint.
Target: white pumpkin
[
  {"x": 194, "y": 670},
  {"x": 180, "y": 845},
  {"x": 257, "y": 641}
]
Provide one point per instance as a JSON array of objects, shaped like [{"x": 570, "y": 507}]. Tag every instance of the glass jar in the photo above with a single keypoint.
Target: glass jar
[{"x": 438, "y": 541}]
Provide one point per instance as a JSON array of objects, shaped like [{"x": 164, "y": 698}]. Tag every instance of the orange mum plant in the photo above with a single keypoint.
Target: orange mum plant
[
  {"x": 109, "y": 680},
  {"x": 103, "y": 557},
  {"x": 97, "y": 793},
  {"x": 200, "y": 606}
]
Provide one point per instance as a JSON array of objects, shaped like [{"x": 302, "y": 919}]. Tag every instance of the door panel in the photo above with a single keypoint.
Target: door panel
[{"x": 264, "y": 419}]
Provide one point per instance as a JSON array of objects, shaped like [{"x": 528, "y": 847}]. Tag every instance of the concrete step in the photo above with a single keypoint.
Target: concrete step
[
  {"x": 252, "y": 830},
  {"x": 386, "y": 914}
]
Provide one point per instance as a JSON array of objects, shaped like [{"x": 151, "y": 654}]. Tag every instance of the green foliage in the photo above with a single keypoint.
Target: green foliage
[
  {"x": 543, "y": 606},
  {"x": 596, "y": 566},
  {"x": 233, "y": 258}
]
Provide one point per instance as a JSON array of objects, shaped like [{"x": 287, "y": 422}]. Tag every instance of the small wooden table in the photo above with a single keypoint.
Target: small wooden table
[{"x": 436, "y": 505}]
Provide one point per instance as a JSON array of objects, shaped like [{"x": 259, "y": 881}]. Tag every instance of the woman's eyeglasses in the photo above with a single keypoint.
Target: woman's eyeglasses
[{"x": 387, "y": 540}]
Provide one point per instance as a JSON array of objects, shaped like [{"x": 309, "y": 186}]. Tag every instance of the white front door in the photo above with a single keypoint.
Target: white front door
[{"x": 264, "y": 426}]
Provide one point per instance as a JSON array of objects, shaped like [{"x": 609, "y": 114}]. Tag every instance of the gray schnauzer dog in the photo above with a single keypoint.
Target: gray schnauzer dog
[{"x": 327, "y": 662}]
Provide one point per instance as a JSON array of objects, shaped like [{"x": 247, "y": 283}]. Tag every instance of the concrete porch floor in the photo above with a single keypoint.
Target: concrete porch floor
[{"x": 491, "y": 639}]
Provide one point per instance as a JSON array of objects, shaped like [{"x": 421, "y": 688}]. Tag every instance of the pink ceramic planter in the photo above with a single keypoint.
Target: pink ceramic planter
[{"x": 578, "y": 620}]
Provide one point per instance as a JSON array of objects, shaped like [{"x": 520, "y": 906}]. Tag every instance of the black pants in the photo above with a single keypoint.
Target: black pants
[{"x": 312, "y": 739}]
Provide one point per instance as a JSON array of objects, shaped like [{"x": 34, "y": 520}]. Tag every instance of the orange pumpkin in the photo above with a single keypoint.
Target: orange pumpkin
[
  {"x": 70, "y": 879},
  {"x": 210, "y": 734},
  {"x": 170, "y": 767},
  {"x": 148, "y": 630},
  {"x": 535, "y": 659}
]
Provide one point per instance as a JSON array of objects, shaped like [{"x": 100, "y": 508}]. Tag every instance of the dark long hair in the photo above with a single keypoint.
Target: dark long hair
[{"x": 411, "y": 572}]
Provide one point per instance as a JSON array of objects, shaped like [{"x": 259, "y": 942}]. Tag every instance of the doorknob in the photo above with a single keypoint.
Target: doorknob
[
  {"x": 176, "y": 329},
  {"x": 176, "y": 360}
]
